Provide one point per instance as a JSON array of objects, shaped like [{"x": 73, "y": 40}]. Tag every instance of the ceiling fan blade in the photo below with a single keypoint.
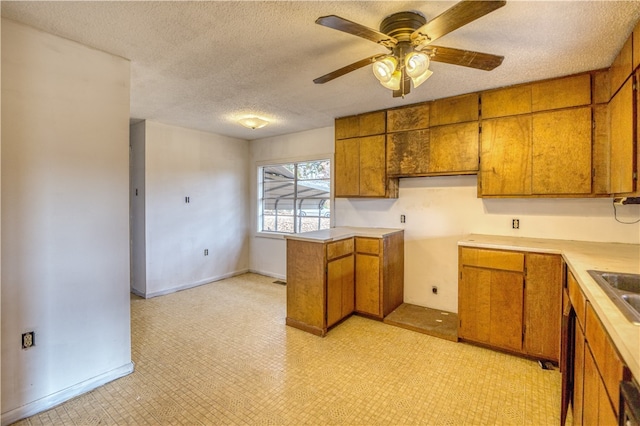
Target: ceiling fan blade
[
  {"x": 344, "y": 70},
  {"x": 453, "y": 18},
  {"x": 341, "y": 24},
  {"x": 465, "y": 58}
]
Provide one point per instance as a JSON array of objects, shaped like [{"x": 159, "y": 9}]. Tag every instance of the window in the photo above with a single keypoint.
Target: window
[{"x": 295, "y": 197}]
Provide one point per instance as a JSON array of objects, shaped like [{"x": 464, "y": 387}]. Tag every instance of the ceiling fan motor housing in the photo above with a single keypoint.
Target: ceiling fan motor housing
[{"x": 402, "y": 24}]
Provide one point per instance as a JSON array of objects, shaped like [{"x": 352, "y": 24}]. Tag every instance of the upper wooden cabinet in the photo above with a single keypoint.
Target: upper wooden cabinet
[
  {"x": 458, "y": 109},
  {"x": 622, "y": 66},
  {"x": 535, "y": 97},
  {"x": 506, "y": 102},
  {"x": 372, "y": 123},
  {"x": 546, "y": 153},
  {"x": 621, "y": 140},
  {"x": 562, "y": 92},
  {"x": 561, "y": 152},
  {"x": 360, "y": 157},
  {"x": 412, "y": 117}
]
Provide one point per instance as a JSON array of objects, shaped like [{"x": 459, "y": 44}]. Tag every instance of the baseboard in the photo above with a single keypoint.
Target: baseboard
[
  {"x": 64, "y": 395},
  {"x": 193, "y": 284},
  {"x": 269, "y": 274}
]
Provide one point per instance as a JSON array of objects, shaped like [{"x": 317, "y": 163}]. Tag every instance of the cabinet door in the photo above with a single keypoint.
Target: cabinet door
[
  {"x": 506, "y": 309},
  {"x": 543, "y": 299},
  {"x": 474, "y": 304},
  {"x": 590, "y": 390},
  {"x": 339, "y": 289},
  {"x": 368, "y": 284},
  {"x": 408, "y": 153},
  {"x": 578, "y": 375},
  {"x": 622, "y": 144},
  {"x": 347, "y": 170},
  {"x": 505, "y": 158},
  {"x": 561, "y": 161},
  {"x": 372, "y": 166},
  {"x": 453, "y": 149}
]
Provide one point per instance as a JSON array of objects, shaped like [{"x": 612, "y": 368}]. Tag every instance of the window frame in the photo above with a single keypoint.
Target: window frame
[{"x": 257, "y": 218}]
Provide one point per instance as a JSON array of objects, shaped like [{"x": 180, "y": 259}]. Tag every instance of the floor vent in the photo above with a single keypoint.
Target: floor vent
[{"x": 280, "y": 282}]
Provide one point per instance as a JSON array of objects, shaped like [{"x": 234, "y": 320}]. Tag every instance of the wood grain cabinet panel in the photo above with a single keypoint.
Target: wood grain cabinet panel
[
  {"x": 506, "y": 310},
  {"x": 371, "y": 123},
  {"x": 561, "y": 152},
  {"x": 502, "y": 306},
  {"x": 379, "y": 274},
  {"x": 457, "y": 109},
  {"x": 453, "y": 149},
  {"x": 412, "y": 117},
  {"x": 408, "y": 153},
  {"x": 578, "y": 375},
  {"x": 340, "y": 288},
  {"x": 622, "y": 143},
  {"x": 562, "y": 92},
  {"x": 600, "y": 86},
  {"x": 622, "y": 66},
  {"x": 474, "y": 304},
  {"x": 601, "y": 182},
  {"x": 360, "y": 169},
  {"x": 346, "y": 170},
  {"x": 372, "y": 167},
  {"x": 505, "y": 156},
  {"x": 505, "y": 102},
  {"x": 636, "y": 46},
  {"x": 543, "y": 298}
]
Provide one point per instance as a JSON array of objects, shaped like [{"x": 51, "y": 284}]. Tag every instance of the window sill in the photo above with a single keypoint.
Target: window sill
[{"x": 271, "y": 235}]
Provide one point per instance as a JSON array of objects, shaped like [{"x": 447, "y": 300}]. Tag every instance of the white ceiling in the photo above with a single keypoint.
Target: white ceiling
[{"x": 202, "y": 64}]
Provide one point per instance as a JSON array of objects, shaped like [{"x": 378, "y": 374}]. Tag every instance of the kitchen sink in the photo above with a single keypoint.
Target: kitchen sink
[{"x": 624, "y": 291}]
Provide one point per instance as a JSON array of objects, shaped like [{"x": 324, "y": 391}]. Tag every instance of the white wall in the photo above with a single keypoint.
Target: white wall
[
  {"x": 439, "y": 212},
  {"x": 268, "y": 254},
  {"x": 65, "y": 219},
  {"x": 212, "y": 171}
]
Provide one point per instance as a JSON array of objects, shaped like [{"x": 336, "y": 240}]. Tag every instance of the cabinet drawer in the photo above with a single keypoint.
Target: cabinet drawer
[
  {"x": 340, "y": 248},
  {"x": 577, "y": 298},
  {"x": 605, "y": 355},
  {"x": 494, "y": 259},
  {"x": 368, "y": 245}
]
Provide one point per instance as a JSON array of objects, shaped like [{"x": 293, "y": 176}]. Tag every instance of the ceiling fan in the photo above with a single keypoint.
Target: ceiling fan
[{"x": 408, "y": 37}]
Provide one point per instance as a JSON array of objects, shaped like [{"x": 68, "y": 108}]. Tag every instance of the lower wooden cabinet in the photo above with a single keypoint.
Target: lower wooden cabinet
[
  {"x": 379, "y": 274},
  {"x": 594, "y": 367},
  {"x": 511, "y": 300},
  {"x": 328, "y": 281}
]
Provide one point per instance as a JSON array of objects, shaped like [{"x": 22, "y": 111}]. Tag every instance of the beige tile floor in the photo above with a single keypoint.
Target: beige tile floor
[{"x": 220, "y": 354}]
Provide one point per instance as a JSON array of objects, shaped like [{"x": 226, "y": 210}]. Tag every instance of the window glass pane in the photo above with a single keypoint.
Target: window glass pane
[{"x": 295, "y": 197}]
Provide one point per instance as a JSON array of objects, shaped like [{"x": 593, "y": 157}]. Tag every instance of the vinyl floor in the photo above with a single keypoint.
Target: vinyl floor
[{"x": 221, "y": 354}]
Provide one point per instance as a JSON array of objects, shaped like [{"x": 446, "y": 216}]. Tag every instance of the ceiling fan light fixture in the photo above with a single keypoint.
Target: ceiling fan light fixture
[
  {"x": 416, "y": 63},
  {"x": 394, "y": 82},
  {"x": 252, "y": 122},
  {"x": 384, "y": 68}
]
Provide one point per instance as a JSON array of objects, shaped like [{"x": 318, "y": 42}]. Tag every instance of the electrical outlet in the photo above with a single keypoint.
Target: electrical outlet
[
  {"x": 28, "y": 339},
  {"x": 206, "y": 252},
  {"x": 515, "y": 223},
  {"x": 403, "y": 218}
]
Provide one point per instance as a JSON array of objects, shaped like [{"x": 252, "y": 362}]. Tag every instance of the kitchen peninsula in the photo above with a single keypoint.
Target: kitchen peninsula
[{"x": 335, "y": 272}]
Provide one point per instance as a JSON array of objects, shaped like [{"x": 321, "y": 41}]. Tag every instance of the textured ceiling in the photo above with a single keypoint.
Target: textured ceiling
[{"x": 202, "y": 64}]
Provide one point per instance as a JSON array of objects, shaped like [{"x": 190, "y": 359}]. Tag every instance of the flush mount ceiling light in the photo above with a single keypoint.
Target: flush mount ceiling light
[
  {"x": 408, "y": 36},
  {"x": 252, "y": 122}
]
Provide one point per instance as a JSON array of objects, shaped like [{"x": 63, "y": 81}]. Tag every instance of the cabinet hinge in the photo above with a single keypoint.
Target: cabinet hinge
[
  {"x": 460, "y": 274},
  {"x": 593, "y": 173}
]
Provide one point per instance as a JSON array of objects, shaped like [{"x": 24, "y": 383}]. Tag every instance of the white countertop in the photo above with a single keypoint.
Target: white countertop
[
  {"x": 581, "y": 256},
  {"x": 332, "y": 234}
]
